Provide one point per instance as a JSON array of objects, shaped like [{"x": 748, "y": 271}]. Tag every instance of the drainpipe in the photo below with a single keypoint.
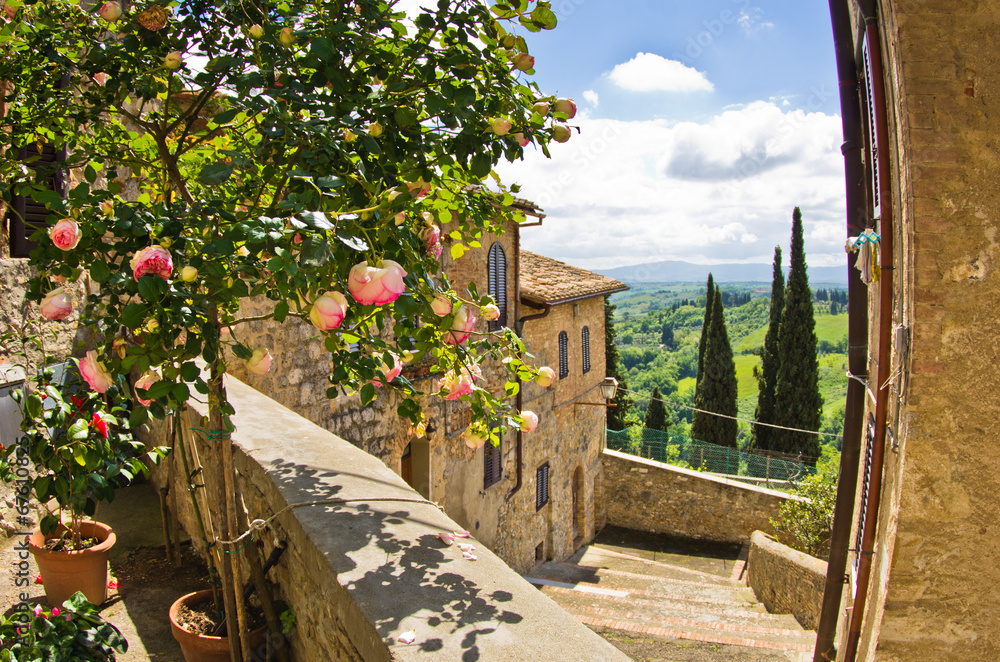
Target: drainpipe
[
  {"x": 518, "y": 326},
  {"x": 857, "y": 335},
  {"x": 886, "y": 232}
]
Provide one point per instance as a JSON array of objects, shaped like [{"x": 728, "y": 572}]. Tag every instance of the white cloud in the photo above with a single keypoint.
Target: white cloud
[
  {"x": 648, "y": 72},
  {"x": 591, "y": 97},
  {"x": 750, "y": 21},
  {"x": 718, "y": 191}
]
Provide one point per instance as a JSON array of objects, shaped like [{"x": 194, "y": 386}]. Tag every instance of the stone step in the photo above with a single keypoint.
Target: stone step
[{"x": 597, "y": 556}]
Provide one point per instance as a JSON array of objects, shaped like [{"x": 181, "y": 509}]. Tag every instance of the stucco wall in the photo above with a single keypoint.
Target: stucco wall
[
  {"x": 358, "y": 575},
  {"x": 650, "y": 496},
  {"x": 785, "y": 580},
  {"x": 938, "y": 528}
]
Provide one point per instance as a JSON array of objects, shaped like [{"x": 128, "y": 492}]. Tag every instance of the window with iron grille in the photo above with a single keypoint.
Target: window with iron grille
[
  {"x": 496, "y": 275},
  {"x": 27, "y": 215},
  {"x": 563, "y": 355},
  {"x": 492, "y": 463},
  {"x": 585, "y": 341},
  {"x": 866, "y": 476},
  {"x": 541, "y": 486}
]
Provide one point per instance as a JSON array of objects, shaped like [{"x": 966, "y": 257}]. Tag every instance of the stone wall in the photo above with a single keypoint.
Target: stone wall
[
  {"x": 785, "y": 580},
  {"x": 651, "y": 496},
  {"x": 938, "y": 525},
  {"x": 360, "y": 574}
]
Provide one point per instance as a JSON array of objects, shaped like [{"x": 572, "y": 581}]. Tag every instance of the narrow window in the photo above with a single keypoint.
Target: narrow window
[
  {"x": 563, "y": 355},
  {"x": 496, "y": 275},
  {"x": 492, "y": 463},
  {"x": 541, "y": 486},
  {"x": 585, "y": 340},
  {"x": 26, "y": 214}
]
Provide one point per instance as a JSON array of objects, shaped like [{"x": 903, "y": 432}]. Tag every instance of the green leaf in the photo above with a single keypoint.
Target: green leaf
[
  {"x": 367, "y": 394},
  {"x": 150, "y": 287},
  {"x": 357, "y": 243},
  {"x": 330, "y": 182},
  {"x": 134, "y": 315},
  {"x": 481, "y": 165},
  {"x": 317, "y": 219},
  {"x": 325, "y": 49},
  {"x": 280, "y": 311},
  {"x": 190, "y": 371},
  {"x": 77, "y": 431},
  {"x": 159, "y": 389},
  {"x": 215, "y": 173},
  {"x": 99, "y": 271},
  {"x": 180, "y": 392},
  {"x": 405, "y": 116},
  {"x": 544, "y": 17},
  {"x": 226, "y": 116},
  {"x": 138, "y": 416}
]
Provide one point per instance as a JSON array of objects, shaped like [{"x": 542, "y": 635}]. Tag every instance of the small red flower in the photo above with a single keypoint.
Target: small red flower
[
  {"x": 113, "y": 583},
  {"x": 38, "y": 579},
  {"x": 98, "y": 423},
  {"x": 79, "y": 402}
]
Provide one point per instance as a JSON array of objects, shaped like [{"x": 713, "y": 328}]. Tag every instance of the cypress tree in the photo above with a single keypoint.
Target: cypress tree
[
  {"x": 709, "y": 305},
  {"x": 656, "y": 412},
  {"x": 767, "y": 377},
  {"x": 622, "y": 401},
  {"x": 718, "y": 389},
  {"x": 798, "y": 403}
]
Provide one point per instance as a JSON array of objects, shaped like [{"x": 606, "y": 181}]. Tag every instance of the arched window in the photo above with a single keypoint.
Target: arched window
[
  {"x": 585, "y": 339},
  {"x": 496, "y": 275},
  {"x": 563, "y": 355}
]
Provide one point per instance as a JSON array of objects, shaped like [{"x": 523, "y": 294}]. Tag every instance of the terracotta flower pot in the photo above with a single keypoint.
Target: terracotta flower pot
[
  {"x": 202, "y": 647},
  {"x": 65, "y": 573}
]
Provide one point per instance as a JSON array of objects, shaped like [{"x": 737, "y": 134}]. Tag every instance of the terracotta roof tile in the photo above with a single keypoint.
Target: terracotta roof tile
[{"x": 548, "y": 281}]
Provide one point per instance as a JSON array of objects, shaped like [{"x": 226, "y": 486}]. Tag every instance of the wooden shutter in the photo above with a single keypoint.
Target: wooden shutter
[
  {"x": 563, "y": 355},
  {"x": 585, "y": 340},
  {"x": 496, "y": 275},
  {"x": 541, "y": 486},
  {"x": 875, "y": 125},
  {"x": 27, "y": 215},
  {"x": 866, "y": 476},
  {"x": 492, "y": 463}
]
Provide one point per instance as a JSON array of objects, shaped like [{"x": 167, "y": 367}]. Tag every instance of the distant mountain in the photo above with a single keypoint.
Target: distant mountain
[{"x": 675, "y": 271}]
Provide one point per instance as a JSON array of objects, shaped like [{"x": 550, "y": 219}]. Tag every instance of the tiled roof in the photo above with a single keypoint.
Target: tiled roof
[{"x": 548, "y": 281}]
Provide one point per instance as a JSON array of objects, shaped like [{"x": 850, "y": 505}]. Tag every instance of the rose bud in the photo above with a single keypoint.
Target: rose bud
[
  {"x": 189, "y": 274},
  {"x": 400, "y": 218},
  {"x": 256, "y": 31},
  {"x": 376, "y": 285},
  {"x": 56, "y": 305},
  {"x": 523, "y": 61},
  {"x": 500, "y": 125},
  {"x": 94, "y": 374},
  {"x": 567, "y": 106},
  {"x": 350, "y": 136},
  {"x": 491, "y": 312},
  {"x": 65, "y": 234},
  {"x": 529, "y": 421},
  {"x": 148, "y": 379},
  {"x": 107, "y": 208},
  {"x": 287, "y": 37},
  {"x": 110, "y": 11},
  {"x": 441, "y": 305},
  {"x": 465, "y": 321},
  {"x": 546, "y": 376},
  {"x": 374, "y": 129},
  {"x": 173, "y": 60},
  {"x": 328, "y": 311},
  {"x": 389, "y": 373},
  {"x": 406, "y": 356},
  {"x": 152, "y": 260},
  {"x": 474, "y": 440},
  {"x": 419, "y": 188},
  {"x": 260, "y": 362},
  {"x": 541, "y": 107},
  {"x": 100, "y": 78},
  {"x": 120, "y": 347},
  {"x": 561, "y": 133},
  {"x": 521, "y": 139}
]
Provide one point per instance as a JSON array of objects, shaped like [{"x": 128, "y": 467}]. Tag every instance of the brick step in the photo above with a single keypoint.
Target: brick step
[
  {"x": 597, "y": 555},
  {"x": 684, "y": 608},
  {"x": 625, "y": 621}
]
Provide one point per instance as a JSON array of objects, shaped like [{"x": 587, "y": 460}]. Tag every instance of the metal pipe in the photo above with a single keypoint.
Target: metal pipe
[
  {"x": 519, "y": 402},
  {"x": 857, "y": 334},
  {"x": 884, "y": 343}
]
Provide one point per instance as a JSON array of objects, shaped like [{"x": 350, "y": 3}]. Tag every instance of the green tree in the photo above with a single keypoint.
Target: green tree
[
  {"x": 798, "y": 403},
  {"x": 767, "y": 376},
  {"x": 718, "y": 389},
  {"x": 656, "y": 412},
  {"x": 667, "y": 337},
  {"x": 709, "y": 307},
  {"x": 805, "y": 524},
  {"x": 622, "y": 401}
]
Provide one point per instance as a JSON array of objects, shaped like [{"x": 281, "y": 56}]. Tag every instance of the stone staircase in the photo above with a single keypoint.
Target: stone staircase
[{"x": 650, "y": 608}]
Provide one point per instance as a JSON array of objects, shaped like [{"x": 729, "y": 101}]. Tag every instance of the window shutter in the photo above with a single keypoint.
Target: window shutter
[
  {"x": 875, "y": 124},
  {"x": 492, "y": 463},
  {"x": 26, "y": 214},
  {"x": 585, "y": 339},
  {"x": 541, "y": 486},
  {"x": 866, "y": 475},
  {"x": 563, "y": 355},
  {"x": 496, "y": 276}
]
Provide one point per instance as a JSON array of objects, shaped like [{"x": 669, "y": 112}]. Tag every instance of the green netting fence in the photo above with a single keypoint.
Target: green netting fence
[{"x": 684, "y": 451}]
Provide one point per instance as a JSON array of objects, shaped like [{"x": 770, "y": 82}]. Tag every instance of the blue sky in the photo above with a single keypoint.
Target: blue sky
[{"x": 702, "y": 124}]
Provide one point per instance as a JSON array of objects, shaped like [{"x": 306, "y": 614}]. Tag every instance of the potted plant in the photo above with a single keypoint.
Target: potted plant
[
  {"x": 189, "y": 630},
  {"x": 73, "y": 632},
  {"x": 80, "y": 446}
]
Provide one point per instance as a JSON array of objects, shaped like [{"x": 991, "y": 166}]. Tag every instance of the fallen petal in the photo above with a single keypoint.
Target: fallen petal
[
  {"x": 468, "y": 557},
  {"x": 462, "y": 534},
  {"x": 466, "y": 547},
  {"x": 408, "y": 637},
  {"x": 446, "y": 538}
]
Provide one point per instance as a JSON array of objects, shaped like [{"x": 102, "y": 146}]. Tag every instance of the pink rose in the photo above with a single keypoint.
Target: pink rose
[
  {"x": 37, "y": 611},
  {"x": 110, "y": 11},
  {"x": 541, "y": 107},
  {"x": 435, "y": 251},
  {"x": 260, "y": 362},
  {"x": 148, "y": 379},
  {"x": 152, "y": 260},
  {"x": 455, "y": 384},
  {"x": 391, "y": 373},
  {"x": 491, "y": 312},
  {"x": 430, "y": 235},
  {"x": 523, "y": 61},
  {"x": 546, "y": 376},
  {"x": 376, "y": 285},
  {"x": 419, "y": 188},
  {"x": 65, "y": 234},
  {"x": 474, "y": 439},
  {"x": 56, "y": 304},
  {"x": 521, "y": 139},
  {"x": 529, "y": 421},
  {"x": 94, "y": 374},
  {"x": 100, "y": 78},
  {"x": 500, "y": 125},
  {"x": 461, "y": 329},
  {"x": 441, "y": 305},
  {"x": 328, "y": 311},
  {"x": 567, "y": 106},
  {"x": 561, "y": 133}
]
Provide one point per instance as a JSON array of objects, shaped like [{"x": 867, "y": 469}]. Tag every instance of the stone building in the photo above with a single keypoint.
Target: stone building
[{"x": 923, "y": 544}]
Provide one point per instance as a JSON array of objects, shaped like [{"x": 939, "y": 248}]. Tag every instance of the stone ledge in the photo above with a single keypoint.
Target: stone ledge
[
  {"x": 359, "y": 575},
  {"x": 785, "y": 580}
]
